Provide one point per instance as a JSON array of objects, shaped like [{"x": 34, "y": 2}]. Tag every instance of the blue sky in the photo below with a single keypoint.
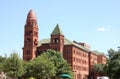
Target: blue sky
[{"x": 95, "y": 22}]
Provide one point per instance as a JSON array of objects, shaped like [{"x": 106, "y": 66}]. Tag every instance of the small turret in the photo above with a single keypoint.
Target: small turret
[{"x": 57, "y": 39}]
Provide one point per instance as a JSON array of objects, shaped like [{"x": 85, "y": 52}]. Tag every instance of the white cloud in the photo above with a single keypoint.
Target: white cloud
[{"x": 101, "y": 29}]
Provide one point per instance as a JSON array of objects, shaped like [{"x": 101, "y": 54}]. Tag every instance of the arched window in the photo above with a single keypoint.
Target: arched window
[
  {"x": 53, "y": 41},
  {"x": 57, "y": 41},
  {"x": 28, "y": 40}
]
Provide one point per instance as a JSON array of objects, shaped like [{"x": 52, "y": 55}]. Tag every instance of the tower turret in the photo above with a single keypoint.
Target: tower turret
[
  {"x": 30, "y": 36},
  {"x": 57, "y": 39}
]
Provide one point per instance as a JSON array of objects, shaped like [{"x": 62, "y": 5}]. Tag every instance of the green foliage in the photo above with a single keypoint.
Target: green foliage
[
  {"x": 31, "y": 78},
  {"x": 40, "y": 67},
  {"x": 61, "y": 65},
  {"x": 1, "y": 67},
  {"x": 43, "y": 68},
  {"x": 13, "y": 66},
  {"x": 99, "y": 69},
  {"x": 113, "y": 69},
  {"x": 28, "y": 67},
  {"x": 49, "y": 64},
  {"x": 2, "y": 59}
]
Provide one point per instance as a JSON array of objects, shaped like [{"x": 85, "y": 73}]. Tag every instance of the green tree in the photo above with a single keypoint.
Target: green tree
[
  {"x": 99, "y": 69},
  {"x": 113, "y": 64},
  {"x": 43, "y": 68},
  {"x": 112, "y": 67},
  {"x": 13, "y": 66},
  {"x": 2, "y": 59},
  {"x": 28, "y": 67},
  {"x": 48, "y": 65},
  {"x": 61, "y": 65}
]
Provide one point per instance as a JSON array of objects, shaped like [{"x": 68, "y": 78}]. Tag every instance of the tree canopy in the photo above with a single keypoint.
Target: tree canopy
[
  {"x": 112, "y": 67},
  {"x": 48, "y": 65},
  {"x": 13, "y": 66},
  {"x": 99, "y": 69},
  {"x": 113, "y": 64},
  {"x": 43, "y": 68},
  {"x": 61, "y": 65},
  {"x": 2, "y": 59}
]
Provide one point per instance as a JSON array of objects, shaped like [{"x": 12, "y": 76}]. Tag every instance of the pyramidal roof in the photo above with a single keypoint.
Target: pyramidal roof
[{"x": 57, "y": 31}]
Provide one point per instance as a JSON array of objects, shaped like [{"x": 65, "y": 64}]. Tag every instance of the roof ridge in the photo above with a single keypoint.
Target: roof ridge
[{"x": 66, "y": 42}]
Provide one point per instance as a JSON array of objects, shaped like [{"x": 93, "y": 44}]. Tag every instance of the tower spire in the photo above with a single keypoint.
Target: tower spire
[
  {"x": 30, "y": 36},
  {"x": 31, "y": 16},
  {"x": 57, "y": 30}
]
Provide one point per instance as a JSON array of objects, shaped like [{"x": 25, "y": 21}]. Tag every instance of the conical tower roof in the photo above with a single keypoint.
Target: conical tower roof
[
  {"x": 31, "y": 16},
  {"x": 57, "y": 31}
]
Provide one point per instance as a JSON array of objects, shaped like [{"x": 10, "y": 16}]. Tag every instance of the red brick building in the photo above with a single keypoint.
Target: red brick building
[{"x": 77, "y": 54}]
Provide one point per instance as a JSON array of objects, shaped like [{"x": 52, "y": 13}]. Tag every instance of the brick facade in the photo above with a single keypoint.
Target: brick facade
[{"x": 78, "y": 55}]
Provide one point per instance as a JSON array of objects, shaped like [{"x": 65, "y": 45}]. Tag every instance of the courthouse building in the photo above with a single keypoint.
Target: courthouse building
[{"x": 78, "y": 55}]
